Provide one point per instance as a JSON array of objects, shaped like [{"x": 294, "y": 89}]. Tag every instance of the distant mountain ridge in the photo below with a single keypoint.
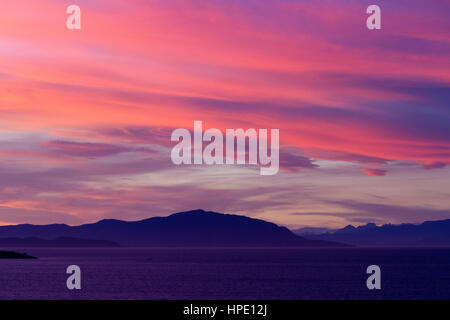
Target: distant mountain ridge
[
  {"x": 306, "y": 231},
  {"x": 58, "y": 242},
  {"x": 428, "y": 233},
  {"x": 191, "y": 228}
]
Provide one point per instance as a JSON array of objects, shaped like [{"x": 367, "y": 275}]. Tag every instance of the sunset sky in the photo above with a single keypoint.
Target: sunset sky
[{"x": 86, "y": 115}]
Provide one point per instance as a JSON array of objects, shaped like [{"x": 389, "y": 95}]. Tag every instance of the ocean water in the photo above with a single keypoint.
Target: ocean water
[{"x": 228, "y": 273}]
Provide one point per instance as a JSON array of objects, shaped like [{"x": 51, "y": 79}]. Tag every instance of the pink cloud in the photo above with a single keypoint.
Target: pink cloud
[
  {"x": 139, "y": 69},
  {"x": 374, "y": 172}
]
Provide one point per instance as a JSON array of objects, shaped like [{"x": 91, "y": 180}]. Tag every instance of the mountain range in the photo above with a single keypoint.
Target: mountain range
[
  {"x": 191, "y": 228},
  {"x": 428, "y": 233},
  {"x": 205, "y": 228}
]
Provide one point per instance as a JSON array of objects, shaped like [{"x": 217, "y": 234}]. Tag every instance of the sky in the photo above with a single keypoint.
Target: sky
[{"x": 86, "y": 115}]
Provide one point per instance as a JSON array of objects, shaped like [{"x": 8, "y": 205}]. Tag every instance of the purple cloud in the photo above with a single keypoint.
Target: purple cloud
[{"x": 374, "y": 172}]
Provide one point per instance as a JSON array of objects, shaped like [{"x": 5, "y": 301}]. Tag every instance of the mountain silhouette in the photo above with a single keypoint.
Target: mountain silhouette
[
  {"x": 429, "y": 233},
  {"x": 58, "y": 242},
  {"x": 192, "y": 228}
]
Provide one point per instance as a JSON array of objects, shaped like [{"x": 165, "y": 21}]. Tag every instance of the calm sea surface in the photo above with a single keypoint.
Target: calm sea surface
[{"x": 218, "y": 273}]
